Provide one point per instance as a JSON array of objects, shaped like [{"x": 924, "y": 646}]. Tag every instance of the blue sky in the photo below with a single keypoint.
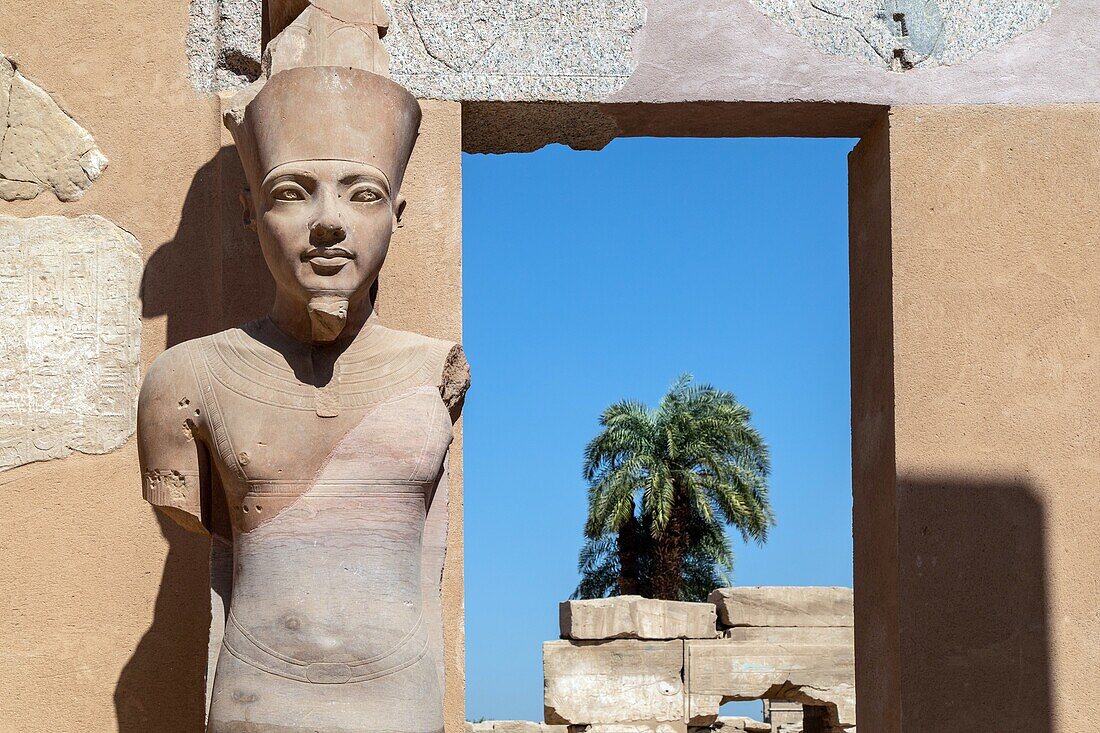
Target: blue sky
[{"x": 591, "y": 277}]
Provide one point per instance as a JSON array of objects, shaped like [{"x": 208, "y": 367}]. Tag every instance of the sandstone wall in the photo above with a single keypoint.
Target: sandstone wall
[{"x": 975, "y": 421}]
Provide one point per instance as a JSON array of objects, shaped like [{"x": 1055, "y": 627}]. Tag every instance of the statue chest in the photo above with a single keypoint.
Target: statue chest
[{"x": 374, "y": 426}]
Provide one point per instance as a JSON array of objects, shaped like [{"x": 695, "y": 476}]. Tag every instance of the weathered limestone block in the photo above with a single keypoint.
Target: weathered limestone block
[
  {"x": 784, "y": 605},
  {"x": 619, "y": 681},
  {"x": 42, "y": 147},
  {"x": 634, "y": 617},
  {"x": 813, "y": 666},
  {"x": 70, "y": 336}
]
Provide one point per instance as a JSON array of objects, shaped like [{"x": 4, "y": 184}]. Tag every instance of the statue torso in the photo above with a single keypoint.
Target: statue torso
[{"x": 326, "y": 479}]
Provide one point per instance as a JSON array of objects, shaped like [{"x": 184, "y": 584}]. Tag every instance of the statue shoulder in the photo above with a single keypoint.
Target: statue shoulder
[
  {"x": 455, "y": 377},
  {"x": 173, "y": 376},
  {"x": 171, "y": 470},
  {"x": 172, "y": 371},
  {"x": 445, "y": 362}
]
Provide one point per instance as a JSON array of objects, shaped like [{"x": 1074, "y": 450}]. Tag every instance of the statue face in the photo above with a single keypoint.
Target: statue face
[{"x": 325, "y": 226}]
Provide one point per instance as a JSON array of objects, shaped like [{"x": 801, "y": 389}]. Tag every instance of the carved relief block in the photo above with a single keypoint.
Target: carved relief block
[
  {"x": 70, "y": 336},
  {"x": 41, "y": 147}
]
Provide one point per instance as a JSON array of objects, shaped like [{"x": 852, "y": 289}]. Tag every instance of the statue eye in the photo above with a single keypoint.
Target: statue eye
[
  {"x": 289, "y": 193},
  {"x": 366, "y": 195}
]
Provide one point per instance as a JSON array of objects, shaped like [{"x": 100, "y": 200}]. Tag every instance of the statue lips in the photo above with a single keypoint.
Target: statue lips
[{"x": 327, "y": 260}]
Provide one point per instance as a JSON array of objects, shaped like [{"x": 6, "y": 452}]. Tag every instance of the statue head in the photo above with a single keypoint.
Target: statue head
[{"x": 324, "y": 150}]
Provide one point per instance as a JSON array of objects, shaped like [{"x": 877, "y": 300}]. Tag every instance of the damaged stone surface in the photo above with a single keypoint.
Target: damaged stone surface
[
  {"x": 634, "y": 617},
  {"x": 453, "y": 49},
  {"x": 812, "y": 666},
  {"x": 783, "y": 605},
  {"x": 621, "y": 681},
  {"x": 41, "y": 147},
  {"x": 907, "y": 34},
  {"x": 71, "y": 336},
  {"x": 781, "y": 643}
]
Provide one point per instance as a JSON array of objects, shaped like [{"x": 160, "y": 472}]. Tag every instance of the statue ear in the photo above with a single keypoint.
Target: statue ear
[
  {"x": 398, "y": 211},
  {"x": 248, "y": 211}
]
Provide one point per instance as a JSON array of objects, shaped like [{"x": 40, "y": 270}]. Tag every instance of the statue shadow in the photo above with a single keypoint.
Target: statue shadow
[
  {"x": 209, "y": 276},
  {"x": 162, "y": 687},
  {"x": 974, "y": 605}
]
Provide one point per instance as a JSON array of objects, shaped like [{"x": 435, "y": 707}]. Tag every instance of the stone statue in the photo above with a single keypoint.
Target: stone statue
[{"x": 318, "y": 435}]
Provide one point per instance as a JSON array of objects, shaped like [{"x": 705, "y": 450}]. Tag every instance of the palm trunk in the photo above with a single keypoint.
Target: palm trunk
[
  {"x": 670, "y": 546},
  {"x": 629, "y": 545}
]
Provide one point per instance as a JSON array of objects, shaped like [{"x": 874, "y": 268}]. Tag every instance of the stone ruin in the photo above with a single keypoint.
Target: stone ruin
[{"x": 636, "y": 665}]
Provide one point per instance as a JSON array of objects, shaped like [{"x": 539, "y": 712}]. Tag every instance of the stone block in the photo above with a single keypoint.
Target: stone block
[
  {"x": 634, "y": 617},
  {"x": 621, "y": 681},
  {"x": 70, "y": 336},
  {"x": 41, "y": 147},
  {"x": 784, "y": 605},
  {"x": 813, "y": 666}
]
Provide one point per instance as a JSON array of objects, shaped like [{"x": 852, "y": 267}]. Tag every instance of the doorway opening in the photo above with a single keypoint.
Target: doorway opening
[{"x": 591, "y": 277}]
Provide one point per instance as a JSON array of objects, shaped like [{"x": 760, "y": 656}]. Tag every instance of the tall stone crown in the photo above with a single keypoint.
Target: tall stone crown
[{"x": 326, "y": 113}]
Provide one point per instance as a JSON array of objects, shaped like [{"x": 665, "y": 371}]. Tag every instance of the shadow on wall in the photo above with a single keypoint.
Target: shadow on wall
[
  {"x": 162, "y": 687},
  {"x": 208, "y": 276},
  {"x": 211, "y": 275},
  {"x": 974, "y": 626}
]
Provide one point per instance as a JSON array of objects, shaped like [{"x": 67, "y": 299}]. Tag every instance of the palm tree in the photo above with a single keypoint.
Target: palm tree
[{"x": 663, "y": 484}]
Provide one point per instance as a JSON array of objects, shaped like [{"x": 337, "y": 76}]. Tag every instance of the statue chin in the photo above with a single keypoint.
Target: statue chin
[{"x": 328, "y": 314}]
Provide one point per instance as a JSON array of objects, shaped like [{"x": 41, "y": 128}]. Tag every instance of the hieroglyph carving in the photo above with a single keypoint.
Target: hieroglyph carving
[
  {"x": 70, "y": 336},
  {"x": 41, "y": 147}
]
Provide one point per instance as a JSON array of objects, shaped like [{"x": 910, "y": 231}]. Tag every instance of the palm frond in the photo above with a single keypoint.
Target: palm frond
[{"x": 691, "y": 467}]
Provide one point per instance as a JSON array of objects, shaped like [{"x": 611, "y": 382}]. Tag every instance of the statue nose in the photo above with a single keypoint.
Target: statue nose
[{"x": 322, "y": 233}]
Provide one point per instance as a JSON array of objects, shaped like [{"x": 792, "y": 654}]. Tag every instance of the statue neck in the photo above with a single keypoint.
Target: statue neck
[{"x": 324, "y": 319}]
